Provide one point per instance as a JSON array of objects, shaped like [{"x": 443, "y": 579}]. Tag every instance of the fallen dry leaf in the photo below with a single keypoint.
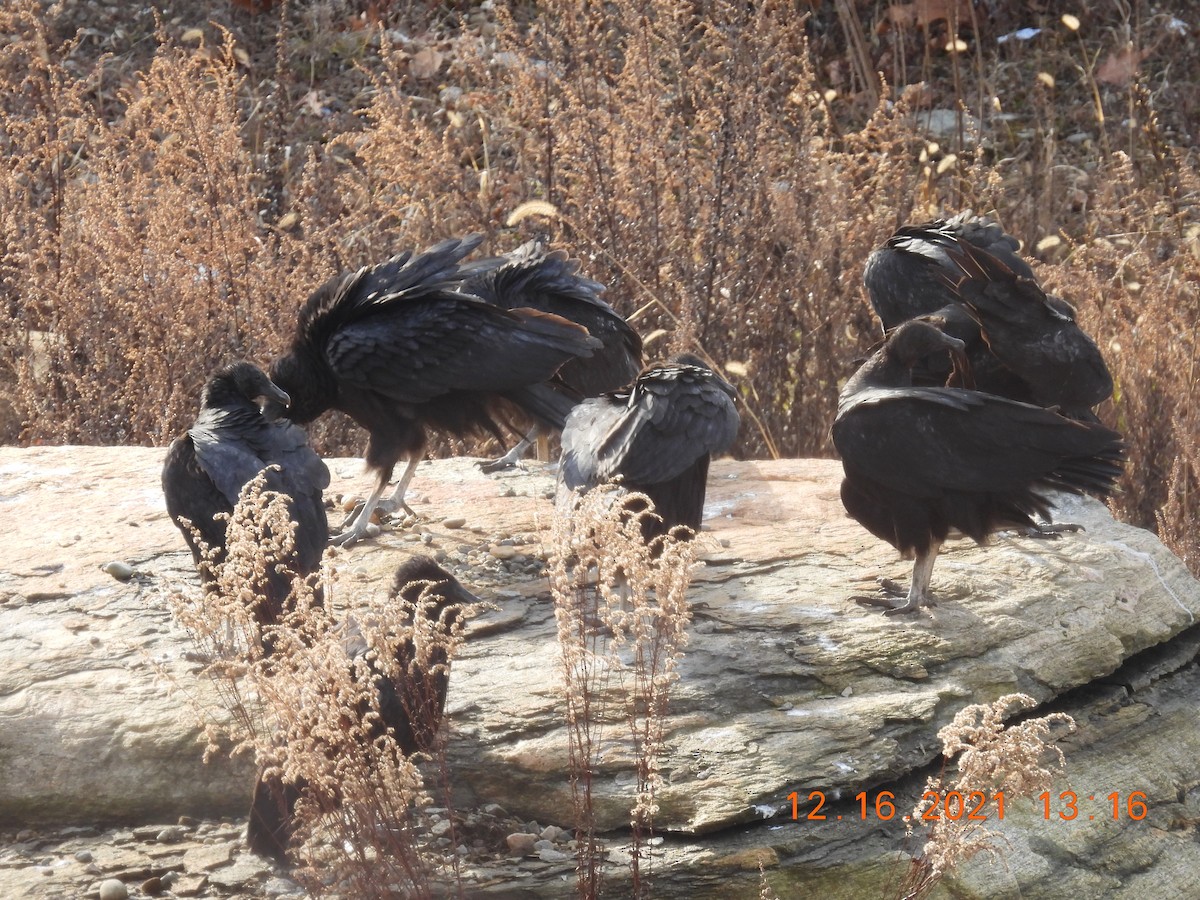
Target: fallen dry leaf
[
  {"x": 425, "y": 63},
  {"x": 923, "y": 13},
  {"x": 1120, "y": 66}
]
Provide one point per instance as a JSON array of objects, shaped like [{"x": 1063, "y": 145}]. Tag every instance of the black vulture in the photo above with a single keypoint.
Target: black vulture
[
  {"x": 534, "y": 277},
  {"x": 656, "y": 437},
  {"x": 920, "y": 461},
  {"x": 1032, "y": 334},
  {"x": 412, "y": 698},
  {"x": 966, "y": 276},
  {"x": 229, "y": 444},
  {"x": 905, "y": 277},
  {"x": 399, "y": 349}
]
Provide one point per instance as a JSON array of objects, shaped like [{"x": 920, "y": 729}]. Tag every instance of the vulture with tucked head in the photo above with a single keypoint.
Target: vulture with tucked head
[
  {"x": 548, "y": 280},
  {"x": 1033, "y": 335},
  {"x": 964, "y": 274},
  {"x": 412, "y": 696},
  {"x": 905, "y": 277},
  {"x": 922, "y": 461},
  {"x": 399, "y": 349},
  {"x": 229, "y": 444},
  {"x": 656, "y": 437}
]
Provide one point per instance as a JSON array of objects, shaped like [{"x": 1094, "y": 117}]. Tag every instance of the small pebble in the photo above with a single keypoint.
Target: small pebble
[
  {"x": 122, "y": 571},
  {"x": 553, "y": 856},
  {"x": 442, "y": 828},
  {"x": 543, "y": 845},
  {"x": 172, "y": 834},
  {"x": 113, "y": 889},
  {"x": 372, "y": 530},
  {"x": 83, "y": 856},
  {"x": 521, "y": 843},
  {"x": 499, "y": 551},
  {"x": 455, "y": 522},
  {"x": 153, "y": 886},
  {"x": 551, "y": 833}
]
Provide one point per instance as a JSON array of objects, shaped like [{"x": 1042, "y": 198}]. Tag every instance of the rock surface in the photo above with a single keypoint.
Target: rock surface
[{"x": 786, "y": 686}]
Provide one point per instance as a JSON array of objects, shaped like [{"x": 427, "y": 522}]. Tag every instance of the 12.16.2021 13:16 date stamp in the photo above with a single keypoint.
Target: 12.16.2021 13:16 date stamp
[{"x": 980, "y": 806}]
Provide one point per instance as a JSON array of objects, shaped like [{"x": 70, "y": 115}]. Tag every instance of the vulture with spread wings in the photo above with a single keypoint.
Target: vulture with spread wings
[
  {"x": 656, "y": 437},
  {"x": 400, "y": 349}
]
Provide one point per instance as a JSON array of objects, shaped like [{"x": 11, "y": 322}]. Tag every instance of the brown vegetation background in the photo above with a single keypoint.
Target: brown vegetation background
[{"x": 178, "y": 182}]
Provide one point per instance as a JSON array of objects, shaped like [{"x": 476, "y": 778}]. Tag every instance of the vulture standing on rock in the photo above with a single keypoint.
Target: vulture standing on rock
[
  {"x": 656, "y": 437},
  {"x": 549, "y": 281},
  {"x": 964, "y": 274},
  {"x": 920, "y": 461},
  {"x": 398, "y": 348},
  {"x": 230, "y": 443},
  {"x": 412, "y": 698}
]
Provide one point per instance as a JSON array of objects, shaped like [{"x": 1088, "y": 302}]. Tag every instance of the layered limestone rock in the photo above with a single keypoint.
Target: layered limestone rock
[{"x": 786, "y": 686}]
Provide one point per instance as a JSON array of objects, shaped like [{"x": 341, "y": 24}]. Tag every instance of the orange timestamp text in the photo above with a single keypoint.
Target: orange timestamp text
[{"x": 977, "y": 806}]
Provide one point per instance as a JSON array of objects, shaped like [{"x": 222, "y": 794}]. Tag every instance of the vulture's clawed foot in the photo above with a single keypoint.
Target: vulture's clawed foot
[
  {"x": 349, "y": 536},
  {"x": 490, "y": 466},
  {"x": 1051, "y": 531},
  {"x": 895, "y": 599}
]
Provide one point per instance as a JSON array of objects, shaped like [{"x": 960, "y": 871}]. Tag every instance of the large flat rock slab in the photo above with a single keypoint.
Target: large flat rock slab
[{"x": 786, "y": 685}]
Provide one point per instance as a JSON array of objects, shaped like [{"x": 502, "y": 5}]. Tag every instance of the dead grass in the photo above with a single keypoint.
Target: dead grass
[
  {"x": 309, "y": 712},
  {"x": 622, "y": 613},
  {"x": 1018, "y": 760}
]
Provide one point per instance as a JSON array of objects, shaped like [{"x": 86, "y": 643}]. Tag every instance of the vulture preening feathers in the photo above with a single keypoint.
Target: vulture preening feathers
[
  {"x": 399, "y": 349},
  {"x": 965, "y": 275},
  {"x": 656, "y": 436},
  {"x": 921, "y": 461},
  {"x": 549, "y": 281},
  {"x": 229, "y": 444}
]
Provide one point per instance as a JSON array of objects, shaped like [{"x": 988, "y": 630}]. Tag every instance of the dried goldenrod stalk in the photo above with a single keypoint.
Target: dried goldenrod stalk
[
  {"x": 1019, "y": 760},
  {"x": 310, "y": 709},
  {"x": 621, "y": 608}
]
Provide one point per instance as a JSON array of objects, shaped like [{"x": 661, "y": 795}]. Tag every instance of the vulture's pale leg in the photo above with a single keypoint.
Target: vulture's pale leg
[
  {"x": 360, "y": 518},
  {"x": 396, "y": 501},
  {"x": 513, "y": 456},
  {"x": 918, "y": 591}
]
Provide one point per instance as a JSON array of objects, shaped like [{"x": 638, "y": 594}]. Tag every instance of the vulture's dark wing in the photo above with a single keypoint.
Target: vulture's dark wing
[
  {"x": 414, "y": 348},
  {"x": 905, "y": 277},
  {"x": 549, "y": 281},
  {"x": 225, "y": 455},
  {"x": 348, "y": 297},
  {"x": 191, "y": 493},
  {"x": 926, "y": 442},
  {"x": 1034, "y": 335},
  {"x": 671, "y": 417}
]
